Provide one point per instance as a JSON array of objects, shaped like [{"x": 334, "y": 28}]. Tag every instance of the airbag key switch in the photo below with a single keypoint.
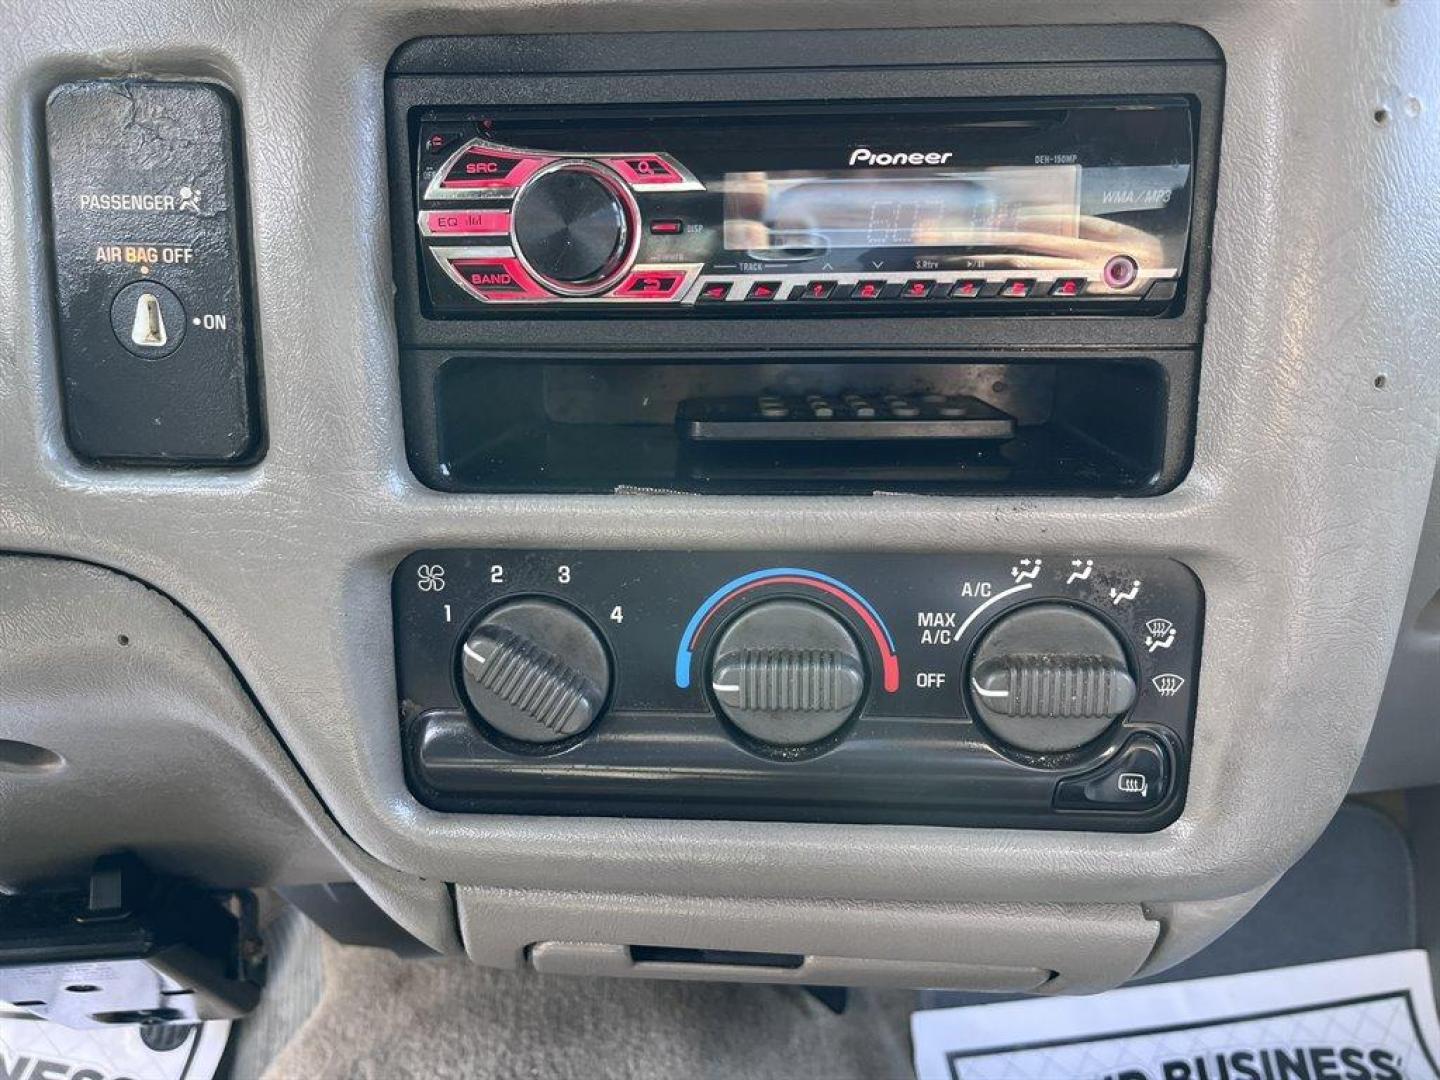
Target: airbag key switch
[{"x": 152, "y": 281}]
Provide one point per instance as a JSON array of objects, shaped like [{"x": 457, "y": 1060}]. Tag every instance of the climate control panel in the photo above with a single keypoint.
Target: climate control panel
[{"x": 1039, "y": 690}]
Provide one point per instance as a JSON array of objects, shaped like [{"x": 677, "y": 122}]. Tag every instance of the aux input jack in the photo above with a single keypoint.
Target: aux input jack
[{"x": 1120, "y": 272}]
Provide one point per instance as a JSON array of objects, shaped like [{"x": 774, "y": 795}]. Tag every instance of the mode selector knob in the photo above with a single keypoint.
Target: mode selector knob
[
  {"x": 787, "y": 672},
  {"x": 573, "y": 225},
  {"x": 535, "y": 671},
  {"x": 1049, "y": 678}
]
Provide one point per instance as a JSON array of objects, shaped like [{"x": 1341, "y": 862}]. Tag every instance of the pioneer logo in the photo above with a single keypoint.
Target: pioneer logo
[{"x": 865, "y": 156}]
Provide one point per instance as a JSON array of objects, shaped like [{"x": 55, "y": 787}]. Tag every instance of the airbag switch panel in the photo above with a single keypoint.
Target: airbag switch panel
[
  {"x": 151, "y": 275},
  {"x": 1016, "y": 689}
]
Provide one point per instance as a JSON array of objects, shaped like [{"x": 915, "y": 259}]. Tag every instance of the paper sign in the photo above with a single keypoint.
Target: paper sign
[
  {"x": 41, "y": 1050},
  {"x": 1370, "y": 1018}
]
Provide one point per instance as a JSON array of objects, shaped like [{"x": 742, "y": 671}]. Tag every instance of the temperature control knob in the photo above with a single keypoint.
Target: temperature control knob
[
  {"x": 787, "y": 672},
  {"x": 535, "y": 671},
  {"x": 573, "y": 226},
  {"x": 1049, "y": 678}
]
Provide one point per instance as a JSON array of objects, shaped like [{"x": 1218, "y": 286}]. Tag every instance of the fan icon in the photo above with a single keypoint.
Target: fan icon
[
  {"x": 1167, "y": 685},
  {"x": 1159, "y": 634},
  {"x": 430, "y": 578}
]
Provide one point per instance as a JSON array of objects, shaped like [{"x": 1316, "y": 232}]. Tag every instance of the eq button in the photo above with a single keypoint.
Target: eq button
[{"x": 464, "y": 222}]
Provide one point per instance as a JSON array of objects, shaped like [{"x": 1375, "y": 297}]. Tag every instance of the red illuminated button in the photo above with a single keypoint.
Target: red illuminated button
[
  {"x": 646, "y": 169},
  {"x": 650, "y": 285},
  {"x": 763, "y": 290},
  {"x": 667, "y": 227},
  {"x": 917, "y": 289},
  {"x": 497, "y": 279},
  {"x": 713, "y": 292},
  {"x": 464, "y": 222},
  {"x": 819, "y": 290},
  {"x": 481, "y": 167},
  {"x": 867, "y": 290},
  {"x": 1068, "y": 286},
  {"x": 1018, "y": 287},
  {"x": 437, "y": 142},
  {"x": 968, "y": 288}
]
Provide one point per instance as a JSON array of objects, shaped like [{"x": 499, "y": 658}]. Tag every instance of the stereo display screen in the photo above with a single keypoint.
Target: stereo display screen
[{"x": 924, "y": 208}]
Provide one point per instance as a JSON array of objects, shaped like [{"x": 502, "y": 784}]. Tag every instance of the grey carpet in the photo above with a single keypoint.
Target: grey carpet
[
  {"x": 382, "y": 1018},
  {"x": 294, "y": 987}
]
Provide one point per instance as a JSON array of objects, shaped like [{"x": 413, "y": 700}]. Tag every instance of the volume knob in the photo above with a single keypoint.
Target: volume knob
[
  {"x": 535, "y": 671},
  {"x": 573, "y": 226}
]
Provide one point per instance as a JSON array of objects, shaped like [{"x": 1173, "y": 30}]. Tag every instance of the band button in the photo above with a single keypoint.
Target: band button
[{"x": 495, "y": 279}]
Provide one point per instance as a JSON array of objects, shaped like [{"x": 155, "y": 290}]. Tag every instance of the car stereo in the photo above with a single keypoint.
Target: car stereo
[
  {"x": 1068, "y": 204},
  {"x": 942, "y": 261}
]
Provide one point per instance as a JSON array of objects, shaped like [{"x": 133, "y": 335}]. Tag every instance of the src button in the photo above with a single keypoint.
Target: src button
[
  {"x": 480, "y": 167},
  {"x": 1138, "y": 778}
]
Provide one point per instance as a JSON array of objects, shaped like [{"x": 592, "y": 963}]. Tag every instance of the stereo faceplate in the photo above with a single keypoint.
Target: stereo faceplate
[
  {"x": 1049, "y": 204},
  {"x": 725, "y": 685}
]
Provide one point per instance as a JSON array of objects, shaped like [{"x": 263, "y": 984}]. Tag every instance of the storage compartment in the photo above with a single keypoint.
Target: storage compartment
[
  {"x": 997, "y": 948},
  {"x": 1094, "y": 426}
]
